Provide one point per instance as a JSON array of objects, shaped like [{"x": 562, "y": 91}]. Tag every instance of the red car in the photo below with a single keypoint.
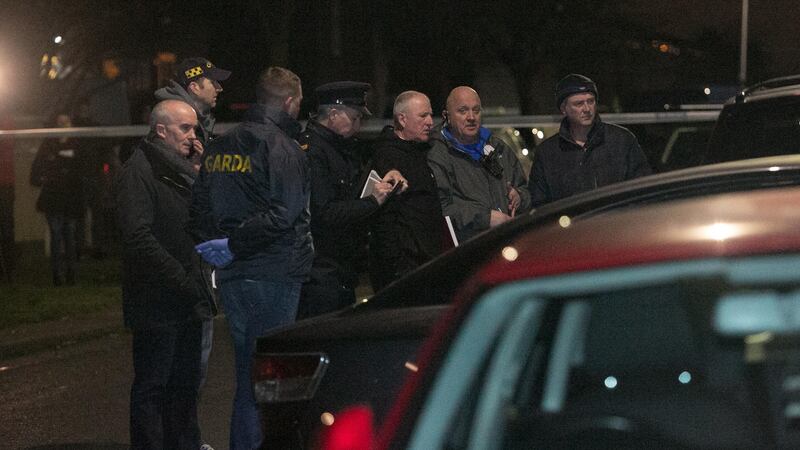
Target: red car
[{"x": 667, "y": 326}]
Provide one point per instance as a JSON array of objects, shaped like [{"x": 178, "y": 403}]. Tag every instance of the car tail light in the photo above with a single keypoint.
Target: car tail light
[
  {"x": 282, "y": 377},
  {"x": 353, "y": 430}
]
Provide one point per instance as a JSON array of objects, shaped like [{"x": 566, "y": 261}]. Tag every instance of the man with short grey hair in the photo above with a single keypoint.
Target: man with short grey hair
[
  {"x": 165, "y": 294},
  {"x": 407, "y": 231}
]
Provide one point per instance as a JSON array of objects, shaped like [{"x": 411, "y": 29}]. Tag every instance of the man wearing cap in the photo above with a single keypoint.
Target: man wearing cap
[
  {"x": 197, "y": 83},
  {"x": 586, "y": 153},
  {"x": 339, "y": 216},
  {"x": 479, "y": 179}
]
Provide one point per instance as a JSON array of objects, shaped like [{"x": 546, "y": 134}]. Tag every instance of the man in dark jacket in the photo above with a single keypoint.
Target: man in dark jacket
[
  {"x": 479, "y": 178},
  {"x": 586, "y": 153},
  {"x": 197, "y": 82},
  {"x": 408, "y": 230},
  {"x": 165, "y": 295},
  {"x": 250, "y": 206},
  {"x": 339, "y": 214}
]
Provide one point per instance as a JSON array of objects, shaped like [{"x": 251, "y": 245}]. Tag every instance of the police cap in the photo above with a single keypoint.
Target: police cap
[
  {"x": 347, "y": 93},
  {"x": 192, "y": 69}
]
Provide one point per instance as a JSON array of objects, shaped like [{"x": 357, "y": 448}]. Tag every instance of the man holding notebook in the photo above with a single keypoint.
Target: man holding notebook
[
  {"x": 407, "y": 231},
  {"x": 339, "y": 216}
]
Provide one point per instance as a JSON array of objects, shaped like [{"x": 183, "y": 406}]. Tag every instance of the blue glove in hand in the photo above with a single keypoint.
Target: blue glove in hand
[{"x": 215, "y": 252}]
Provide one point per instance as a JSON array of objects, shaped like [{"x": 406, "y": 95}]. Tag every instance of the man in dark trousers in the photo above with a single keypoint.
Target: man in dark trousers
[
  {"x": 197, "y": 82},
  {"x": 586, "y": 153},
  {"x": 407, "y": 231},
  {"x": 250, "y": 207},
  {"x": 165, "y": 295},
  {"x": 340, "y": 215}
]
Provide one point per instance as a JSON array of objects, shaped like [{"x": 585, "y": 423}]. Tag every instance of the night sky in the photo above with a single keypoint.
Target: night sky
[{"x": 417, "y": 40}]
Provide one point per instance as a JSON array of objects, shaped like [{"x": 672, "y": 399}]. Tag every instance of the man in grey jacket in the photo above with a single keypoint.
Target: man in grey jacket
[
  {"x": 197, "y": 82},
  {"x": 479, "y": 179}
]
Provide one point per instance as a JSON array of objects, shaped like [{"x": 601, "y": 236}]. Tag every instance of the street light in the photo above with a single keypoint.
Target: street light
[{"x": 743, "y": 48}]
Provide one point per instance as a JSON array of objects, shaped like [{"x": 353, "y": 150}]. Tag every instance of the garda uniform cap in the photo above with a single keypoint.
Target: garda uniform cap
[
  {"x": 347, "y": 93},
  {"x": 192, "y": 69},
  {"x": 573, "y": 84}
]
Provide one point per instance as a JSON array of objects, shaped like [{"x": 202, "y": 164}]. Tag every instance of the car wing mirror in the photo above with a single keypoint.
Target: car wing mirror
[
  {"x": 351, "y": 429},
  {"x": 747, "y": 313}
]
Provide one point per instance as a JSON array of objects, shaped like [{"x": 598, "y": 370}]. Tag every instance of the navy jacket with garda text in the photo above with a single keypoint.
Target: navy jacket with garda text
[{"x": 254, "y": 189}]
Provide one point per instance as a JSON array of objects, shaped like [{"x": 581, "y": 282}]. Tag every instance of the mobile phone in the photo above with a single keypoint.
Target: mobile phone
[{"x": 396, "y": 188}]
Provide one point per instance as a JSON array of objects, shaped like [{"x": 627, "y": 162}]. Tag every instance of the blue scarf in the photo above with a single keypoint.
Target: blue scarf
[{"x": 475, "y": 151}]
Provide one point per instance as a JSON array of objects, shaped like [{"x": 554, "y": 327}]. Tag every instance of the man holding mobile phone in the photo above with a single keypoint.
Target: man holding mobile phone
[
  {"x": 407, "y": 232},
  {"x": 339, "y": 215}
]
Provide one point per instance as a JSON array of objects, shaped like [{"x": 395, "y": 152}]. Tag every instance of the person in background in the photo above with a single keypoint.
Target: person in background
[
  {"x": 407, "y": 231},
  {"x": 57, "y": 170},
  {"x": 479, "y": 179},
  {"x": 166, "y": 296},
  {"x": 586, "y": 153}
]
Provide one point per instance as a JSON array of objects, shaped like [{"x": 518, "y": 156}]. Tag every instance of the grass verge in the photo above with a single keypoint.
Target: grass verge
[{"x": 32, "y": 298}]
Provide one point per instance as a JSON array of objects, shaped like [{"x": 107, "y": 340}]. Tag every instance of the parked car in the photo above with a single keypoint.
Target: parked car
[
  {"x": 308, "y": 371},
  {"x": 668, "y": 326},
  {"x": 763, "y": 120}
]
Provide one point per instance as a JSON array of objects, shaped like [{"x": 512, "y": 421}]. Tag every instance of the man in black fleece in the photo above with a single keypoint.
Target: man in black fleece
[
  {"x": 408, "y": 230},
  {"x": 586, "y": 153},
  {"x": 165, "y": 293}
]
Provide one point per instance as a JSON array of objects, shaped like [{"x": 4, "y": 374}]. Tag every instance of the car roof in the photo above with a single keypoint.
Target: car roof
[
  {"x": 772, "y": 88},
  {"x": 726, "y": 225},
  {"x": 444, "y": 274}
]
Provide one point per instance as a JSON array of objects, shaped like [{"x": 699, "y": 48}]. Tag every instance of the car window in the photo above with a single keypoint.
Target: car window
[
  {"x": 643, "y": 367},
  {"x": 751, "y": 130}
]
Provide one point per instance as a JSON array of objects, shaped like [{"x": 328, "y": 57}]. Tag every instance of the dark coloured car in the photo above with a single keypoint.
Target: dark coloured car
[
  {"x": 763, "y": 120},
  {"x": 668, "y": 326},
  {"x": 307, "y": 372}
]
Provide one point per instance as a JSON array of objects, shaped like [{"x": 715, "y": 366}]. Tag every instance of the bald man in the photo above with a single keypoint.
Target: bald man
[
  {"x": 165, "y": 294},
  {"x": 480, "y": 181}
]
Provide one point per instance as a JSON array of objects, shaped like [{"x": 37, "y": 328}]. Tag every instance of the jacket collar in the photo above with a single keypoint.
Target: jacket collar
[
  {"x": 325, "y": 133},
  {"x": 597, "y": 134},
  {"x": 390, "y": 137},
  {"x": 259, "y": 113},
  {"x": 166, "y": 162}
]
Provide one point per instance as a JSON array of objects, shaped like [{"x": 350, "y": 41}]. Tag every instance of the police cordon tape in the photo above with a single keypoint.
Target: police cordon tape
[{"x": 375, "y": 125}]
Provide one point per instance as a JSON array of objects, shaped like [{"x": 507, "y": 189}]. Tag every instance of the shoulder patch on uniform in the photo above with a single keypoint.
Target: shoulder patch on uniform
[{"x": 304, "y": 147}]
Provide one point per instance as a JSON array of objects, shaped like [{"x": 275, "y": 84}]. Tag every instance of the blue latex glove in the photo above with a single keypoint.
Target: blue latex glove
[{"x": 215, "y": 252}]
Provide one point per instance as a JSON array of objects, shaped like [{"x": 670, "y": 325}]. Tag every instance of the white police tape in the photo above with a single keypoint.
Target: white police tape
[{"x": 375, "y": 125}]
